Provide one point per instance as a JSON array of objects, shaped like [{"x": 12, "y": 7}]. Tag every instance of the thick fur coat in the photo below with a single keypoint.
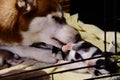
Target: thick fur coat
[{"x": 24, "y": 22}]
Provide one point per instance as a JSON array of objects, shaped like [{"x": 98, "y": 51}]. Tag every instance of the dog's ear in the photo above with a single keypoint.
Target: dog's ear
[{"x": 26, "y": 6}]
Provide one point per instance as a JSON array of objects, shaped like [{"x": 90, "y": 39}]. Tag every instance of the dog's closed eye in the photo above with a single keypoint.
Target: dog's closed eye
[{"x": 59, "y": 19}]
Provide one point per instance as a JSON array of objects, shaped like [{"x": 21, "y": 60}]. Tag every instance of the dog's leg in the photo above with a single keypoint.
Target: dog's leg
[{"x": 31, "y": 52}]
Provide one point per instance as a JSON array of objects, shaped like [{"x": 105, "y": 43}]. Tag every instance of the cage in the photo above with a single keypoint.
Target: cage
[{"x": 66, "y": 7}]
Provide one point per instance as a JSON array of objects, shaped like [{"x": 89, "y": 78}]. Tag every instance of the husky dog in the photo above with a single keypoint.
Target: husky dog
[
  {"x": 81, "y": 51},
  {"x": 24, "y": 22}
]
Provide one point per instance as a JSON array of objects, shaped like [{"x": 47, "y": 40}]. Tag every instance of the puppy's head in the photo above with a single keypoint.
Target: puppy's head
[{"x": 83, "y": 50}]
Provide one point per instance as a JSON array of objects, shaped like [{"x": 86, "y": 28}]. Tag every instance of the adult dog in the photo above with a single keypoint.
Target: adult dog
[{"x": 24, "y": 22}]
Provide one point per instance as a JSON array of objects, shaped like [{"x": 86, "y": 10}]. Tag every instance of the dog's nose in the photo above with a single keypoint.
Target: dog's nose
[{"x": 77, "y": 38}]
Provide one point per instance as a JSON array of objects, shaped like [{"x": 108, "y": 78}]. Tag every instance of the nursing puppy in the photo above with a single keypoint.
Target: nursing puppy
[
  {"x": 24, "y": 22},
  {"x": 85, "y": 50},
  {"x": 8, "y": 58},
  {"x": 81, "y": 51}
]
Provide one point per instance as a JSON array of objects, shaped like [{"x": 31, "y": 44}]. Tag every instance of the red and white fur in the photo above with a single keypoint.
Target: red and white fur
[{"x": 24, "y": 22}]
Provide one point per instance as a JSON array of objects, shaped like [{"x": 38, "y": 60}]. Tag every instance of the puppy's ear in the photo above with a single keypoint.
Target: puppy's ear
[{"x": 26, "y": 6}]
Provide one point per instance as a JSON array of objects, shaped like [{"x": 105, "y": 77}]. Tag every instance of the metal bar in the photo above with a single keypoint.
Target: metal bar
[
  {"x": 104, "y": 76},
  {"x": 63, "y": 71},
  {"x": 68, "y": 70},
  {"x": 24, "y": 72},
  {"x": 52, "y": 77},
  {"x": 48, "y": 67}
]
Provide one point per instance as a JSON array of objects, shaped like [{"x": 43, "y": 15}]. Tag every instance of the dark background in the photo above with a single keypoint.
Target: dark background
[{"x": 103, "y": 13}]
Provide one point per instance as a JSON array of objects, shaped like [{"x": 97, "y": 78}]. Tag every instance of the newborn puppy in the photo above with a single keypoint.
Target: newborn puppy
[
  {"x": 80, "y": 51},
  {"x": 84, "y": 50},
  {"x": 7, "y": 57}
]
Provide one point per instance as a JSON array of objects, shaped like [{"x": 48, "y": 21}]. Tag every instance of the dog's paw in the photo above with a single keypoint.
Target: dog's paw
[
  {"x": 21, "y": 3},
  {"x": 26, "y": 5}
]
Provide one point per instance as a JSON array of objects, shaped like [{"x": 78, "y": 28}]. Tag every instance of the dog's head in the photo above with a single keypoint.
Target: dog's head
[{"x": 29, "y": 21}]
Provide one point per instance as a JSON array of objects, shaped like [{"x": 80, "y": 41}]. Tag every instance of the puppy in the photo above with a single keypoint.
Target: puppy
[
  {"x": 24, "y": 22},
  {"x": 81, "y": 51},
  {"x": 7, "y": 57}
]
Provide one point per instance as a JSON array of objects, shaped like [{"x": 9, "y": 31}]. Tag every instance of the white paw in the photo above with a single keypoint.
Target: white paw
[{"x": 21, "y": 3}]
